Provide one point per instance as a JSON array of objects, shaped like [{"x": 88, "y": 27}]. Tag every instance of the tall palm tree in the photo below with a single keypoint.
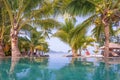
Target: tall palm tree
[
  {"x": 26, "y": 12},
  {"x": 104, "y": 12}
]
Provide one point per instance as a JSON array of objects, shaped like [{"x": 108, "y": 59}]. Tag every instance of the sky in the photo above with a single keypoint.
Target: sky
[{"x": 57, "y": 45}]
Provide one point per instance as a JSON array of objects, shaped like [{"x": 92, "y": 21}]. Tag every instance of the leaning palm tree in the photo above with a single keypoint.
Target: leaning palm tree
[
  {"x": 104, "y": 12},
  {"x": 65, "y": 35},
  {"x": 27, "y": 12}
]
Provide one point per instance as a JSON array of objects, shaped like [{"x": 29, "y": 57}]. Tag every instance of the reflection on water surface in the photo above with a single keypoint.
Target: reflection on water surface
[{"x": 57, "y": 67}]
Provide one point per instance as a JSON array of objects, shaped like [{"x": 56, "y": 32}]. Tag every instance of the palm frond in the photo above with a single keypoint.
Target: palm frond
[
  {"x": 59, "y": 6},
  {"x": 80, "y": 7},
  {"x": 21, "y": 8},
  {"x": 97, "y": 31},
  {"x": 28, "y": 27},
  {"x": 116, "y": 4},
  {"x": 42, "y": 10},
  {"x": 83, "y": 26},
  {"x": 62, "y": 35},
  {"x": 117, "y": 32},
  {"x": 47, "y": 23},
  {"x": 77, "y": 42},
  {"x": 9, "y": 9}
]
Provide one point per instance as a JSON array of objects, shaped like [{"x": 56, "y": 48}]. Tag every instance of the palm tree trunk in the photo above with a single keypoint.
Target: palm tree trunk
[
  {"x": 105, "y": 21},
  {"x": 31, "y": 51},
  {"x": 14, "y": 43},
  {"x": 106, "y": 52},
  {"x": 74, "y": 52},
  {"x": 1, "y": 50}
]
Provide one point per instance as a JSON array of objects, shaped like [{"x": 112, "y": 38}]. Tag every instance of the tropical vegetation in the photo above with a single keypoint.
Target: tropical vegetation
[
  {"x": 104, "y": 14},
  {"x": 65, "y": 34},
  {"x": 26, "y": 14},
  {"x": 21, "y": 16},
  {"x": 26, "y": 24}
]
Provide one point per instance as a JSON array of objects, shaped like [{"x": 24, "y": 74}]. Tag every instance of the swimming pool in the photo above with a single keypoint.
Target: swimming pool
[{"x": 57, "y": 67}]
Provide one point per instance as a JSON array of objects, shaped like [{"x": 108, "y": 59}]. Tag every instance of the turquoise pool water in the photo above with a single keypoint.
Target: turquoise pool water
[{"x": 57, "y": 68}]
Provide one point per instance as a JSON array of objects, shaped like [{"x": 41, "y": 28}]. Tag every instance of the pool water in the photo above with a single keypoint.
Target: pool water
[{"x": 57, "y": 67}]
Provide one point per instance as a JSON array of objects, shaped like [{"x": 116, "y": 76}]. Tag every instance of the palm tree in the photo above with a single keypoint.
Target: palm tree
[
  {"x": 104, "y": 12},
  {"x": 1, "y": 32},
  {"x": 4, "y": 26},
  {"x": 98, "y": 33},
  {"x": 36, "y": 41},
  {"x": 27, "y": 12},
  {"x": 65, "y": 35}
]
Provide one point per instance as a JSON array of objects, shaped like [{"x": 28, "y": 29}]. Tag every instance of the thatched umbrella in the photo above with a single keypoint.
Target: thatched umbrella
[
  {"x": 112, "y": 46},
  {"x": 114, "y": 49}
]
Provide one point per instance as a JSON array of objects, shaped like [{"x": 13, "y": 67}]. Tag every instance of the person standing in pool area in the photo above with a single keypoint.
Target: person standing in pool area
[{"x": 87, "y": 52}]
